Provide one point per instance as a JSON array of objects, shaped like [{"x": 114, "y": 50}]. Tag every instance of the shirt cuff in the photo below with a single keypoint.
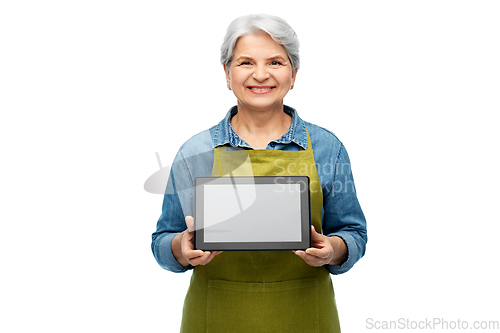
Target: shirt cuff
[
  {"x": 167, "y": 257},
  {"x": 352, "y": 253}
]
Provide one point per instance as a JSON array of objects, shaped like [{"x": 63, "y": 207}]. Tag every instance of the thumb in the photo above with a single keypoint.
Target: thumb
[
  {"x": 314, "y": 234},
  {"x": 190, "y": 223}
]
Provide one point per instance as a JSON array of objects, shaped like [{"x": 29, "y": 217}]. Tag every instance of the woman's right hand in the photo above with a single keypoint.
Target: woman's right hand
[{"x": 189, "y": 254}]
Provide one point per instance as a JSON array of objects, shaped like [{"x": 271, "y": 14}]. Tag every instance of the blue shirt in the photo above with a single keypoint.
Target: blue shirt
[{"x": 342, "y": 214}]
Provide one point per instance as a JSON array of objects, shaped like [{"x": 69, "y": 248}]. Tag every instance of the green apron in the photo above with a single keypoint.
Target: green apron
[{"x": 263, "y": 291}]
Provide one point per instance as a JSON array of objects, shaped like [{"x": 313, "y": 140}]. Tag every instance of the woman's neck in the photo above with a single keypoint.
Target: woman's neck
[{"x": 259, "y": 127}]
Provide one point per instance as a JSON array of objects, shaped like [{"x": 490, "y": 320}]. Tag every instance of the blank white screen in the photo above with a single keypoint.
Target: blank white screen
[{"x": 264, "y": 213}]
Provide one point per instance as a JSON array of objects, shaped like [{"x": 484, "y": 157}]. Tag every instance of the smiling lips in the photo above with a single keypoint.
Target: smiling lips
[{"x": 260, "y": 89}]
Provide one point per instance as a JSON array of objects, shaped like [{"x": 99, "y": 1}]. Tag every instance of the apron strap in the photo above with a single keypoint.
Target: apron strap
[{"x": 216, "y": 156}]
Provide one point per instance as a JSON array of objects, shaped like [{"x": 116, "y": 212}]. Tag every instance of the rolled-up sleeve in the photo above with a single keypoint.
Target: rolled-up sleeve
[
  {"x": 172, "y": 219},
  {"x": 343, "y": 216}
]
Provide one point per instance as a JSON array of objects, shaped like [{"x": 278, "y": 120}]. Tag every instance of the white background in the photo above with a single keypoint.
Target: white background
[{"x": 90, "y": 90}]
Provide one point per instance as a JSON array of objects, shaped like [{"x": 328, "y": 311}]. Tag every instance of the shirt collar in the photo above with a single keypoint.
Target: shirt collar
[{"x": 224, "y": 132}]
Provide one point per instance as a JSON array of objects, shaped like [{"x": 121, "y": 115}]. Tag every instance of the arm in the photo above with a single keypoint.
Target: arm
[
  {"x": 171, "y": 223},
  {"x": 344, "y": 227},
  {"x": 172, "y": 243},
  {"x": 343, "y": 217}
]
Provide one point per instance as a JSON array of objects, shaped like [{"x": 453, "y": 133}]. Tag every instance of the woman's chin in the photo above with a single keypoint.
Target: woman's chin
[{"x": 261, "y": 106}]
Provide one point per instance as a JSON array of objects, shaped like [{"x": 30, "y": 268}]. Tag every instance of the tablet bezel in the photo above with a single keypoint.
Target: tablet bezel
[{"x": 199, "y": 240}]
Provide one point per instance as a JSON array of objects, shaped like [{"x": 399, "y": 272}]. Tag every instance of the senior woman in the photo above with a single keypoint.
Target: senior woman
[{"x": 263, "y": 291}]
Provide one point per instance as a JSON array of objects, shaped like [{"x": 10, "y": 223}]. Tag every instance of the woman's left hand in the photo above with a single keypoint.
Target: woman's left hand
[{"x": 322, "y": 251}]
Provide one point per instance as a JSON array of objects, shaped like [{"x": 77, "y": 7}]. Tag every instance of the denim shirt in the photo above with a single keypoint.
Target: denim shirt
[{"x": 342, "y": 214}]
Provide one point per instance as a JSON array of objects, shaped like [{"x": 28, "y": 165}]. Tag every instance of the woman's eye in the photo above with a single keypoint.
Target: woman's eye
[
  {"x": 275, "y": 63},
  {"x": 245, "y": 63}
]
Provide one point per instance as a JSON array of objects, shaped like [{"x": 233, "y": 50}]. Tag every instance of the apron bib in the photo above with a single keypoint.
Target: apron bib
[{"x": 263, "y": 291}]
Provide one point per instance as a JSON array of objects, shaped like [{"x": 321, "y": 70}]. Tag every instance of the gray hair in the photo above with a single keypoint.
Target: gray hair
[{"x": 280, "y": 31}]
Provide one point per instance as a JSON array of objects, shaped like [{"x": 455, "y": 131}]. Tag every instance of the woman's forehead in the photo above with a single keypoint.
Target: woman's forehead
[{"x": 257, "y": 43}]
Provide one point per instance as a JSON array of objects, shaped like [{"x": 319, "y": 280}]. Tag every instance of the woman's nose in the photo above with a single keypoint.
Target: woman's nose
[{"x": 260, "y": 73}]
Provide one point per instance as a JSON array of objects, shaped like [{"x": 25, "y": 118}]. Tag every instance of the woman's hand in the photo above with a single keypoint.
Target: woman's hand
[
  {"x": 324, "y": 250},
  {"x": 183, "y": 248}
]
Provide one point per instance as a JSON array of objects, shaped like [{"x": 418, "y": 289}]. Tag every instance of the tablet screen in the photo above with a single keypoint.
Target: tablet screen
[
  {"x": 244, "y": 213},
  {"x": 268, "y": 213}
]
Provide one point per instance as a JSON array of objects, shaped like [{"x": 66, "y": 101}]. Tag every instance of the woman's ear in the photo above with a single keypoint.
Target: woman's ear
[
  {"x": 294, "y": 74},
  {"x": 228, "y": 76}
]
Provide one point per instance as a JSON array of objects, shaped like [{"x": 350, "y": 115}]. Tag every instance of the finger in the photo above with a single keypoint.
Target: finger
[
  {"x": 204, "y": 259},
  {"x": 187, "y": 236},
  {"x": 195, "y": 259},
  {"x": 210, "y": 257},
  {"x": 314, "y": 235},
  {"x": 190, "y": 223},
  {"x": 200, "y": 257},
  {"x": 213, "y": 254},
  {"x": 187, "y": 247},
  {"x": 319, "y": 253},
  {"x": 186, "y": 241},
  {"x": 298, "y": 252},
  {"x": 190, "y": 254},
  {"x": 309, "y": 259}
]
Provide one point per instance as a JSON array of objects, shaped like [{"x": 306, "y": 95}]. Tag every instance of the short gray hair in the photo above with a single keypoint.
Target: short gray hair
[{"x": 279, "y": 30}]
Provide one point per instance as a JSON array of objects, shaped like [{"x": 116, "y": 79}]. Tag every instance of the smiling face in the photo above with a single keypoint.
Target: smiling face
[{"x": 260, "y": 74}]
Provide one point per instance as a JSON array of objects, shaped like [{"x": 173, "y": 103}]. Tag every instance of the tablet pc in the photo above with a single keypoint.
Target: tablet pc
[{"x": 252, "y": 213}]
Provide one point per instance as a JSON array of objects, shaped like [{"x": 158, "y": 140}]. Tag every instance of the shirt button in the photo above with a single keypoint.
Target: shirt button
[{"x": 272, "y": 144}]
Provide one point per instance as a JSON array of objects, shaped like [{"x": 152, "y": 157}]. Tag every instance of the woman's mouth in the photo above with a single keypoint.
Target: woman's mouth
[{"x": 260, "y": 89}]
